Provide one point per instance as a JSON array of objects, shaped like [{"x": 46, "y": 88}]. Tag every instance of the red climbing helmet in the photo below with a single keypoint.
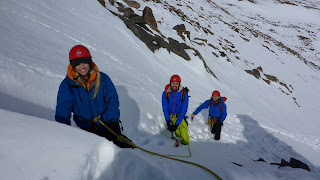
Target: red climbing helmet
[
  {"x": 175, "y": 78},
  {"x": 217, "y": 93},
  {"x": 79, "y": 51}
]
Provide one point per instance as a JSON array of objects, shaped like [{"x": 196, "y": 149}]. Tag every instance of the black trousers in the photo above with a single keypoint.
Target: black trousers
[
  {"x": 103, "y": 132},
  {"x": 216, "y": 130}
]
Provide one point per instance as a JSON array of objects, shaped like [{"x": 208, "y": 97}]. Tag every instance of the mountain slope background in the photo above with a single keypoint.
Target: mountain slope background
[{"x": 263, "y": 120}]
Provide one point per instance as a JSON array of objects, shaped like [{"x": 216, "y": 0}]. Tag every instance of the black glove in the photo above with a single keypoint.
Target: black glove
[
  {"x": 116, "y": 128},
  {"x": 172, "y": 128}
]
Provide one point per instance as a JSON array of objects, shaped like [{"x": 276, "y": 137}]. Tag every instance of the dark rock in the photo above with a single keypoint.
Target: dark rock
[
  {"x": 223, "y": 54},
  {"x": 180, "y": 28},
  {"x": 111, "y": 2},
  {"x": 213, "y": 46},
  {"x": 285, "y": 85},
  {"x": 260, "y": 69},
  {"x": 254, "y": 72},
  {"x": 200, "y": 39},
  {"x": 120, "y": 4},
  {"x": 272, "y": 78},
  {"x": 155, "y": 42},
  {"x": 133, "y": 4},
  {"x": 188, "y": 35},
  {"x": 215, "y": 54},
  {"x": 294, "y": 163},
  {"x": 178, "y": 48},
  {"x": 102, "y": 2},
  {"x": 267, "y": 81},
  {"x": 237, "y": 164},
  {"x": 199, "y": 43},
  {"x": 295, "y": 100},
  {"x": 149, "y": 18},
  {"x": 137, "y": 19},
  {"x": 152, "y": 42},
  {"x": 245, "y": 39},
  {"x": 260, "y": 160},
  {"x": 128, "y": 12}
]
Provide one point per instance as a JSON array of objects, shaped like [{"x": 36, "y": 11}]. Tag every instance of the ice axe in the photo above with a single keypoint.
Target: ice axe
[{"x": 175, "y": 139}]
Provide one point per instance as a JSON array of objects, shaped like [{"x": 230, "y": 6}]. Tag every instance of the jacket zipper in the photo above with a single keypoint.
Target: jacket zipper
[
  {"x": 174, "y": 102},
  {"x": 90, "y": 104}
]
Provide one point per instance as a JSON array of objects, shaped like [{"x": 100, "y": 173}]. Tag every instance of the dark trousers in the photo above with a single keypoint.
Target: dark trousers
[
  {"x": 216, "y": 130},
  {"x": 103, "y": 132}
]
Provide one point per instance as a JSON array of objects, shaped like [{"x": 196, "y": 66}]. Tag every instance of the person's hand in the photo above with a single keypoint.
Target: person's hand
[
  {"x": 172, "y": 128},
  {"x": 192, "y": 116}
]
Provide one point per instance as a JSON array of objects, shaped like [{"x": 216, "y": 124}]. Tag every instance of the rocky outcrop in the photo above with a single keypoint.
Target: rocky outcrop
[
  {"x": 137, "y": 24},
  {"x": 178, "y": 48},
  {"x": 254, "y": 72},
  {"x": 128, "y": 12},
  {"x": 111, "y": 2},
  {"x": 272, "y": 78},
  {"x": 258, "y": 73},
  {"x": 181, "y": 30},
  {"x": 133, "y": 4},
  {"x": 149, "y": 18},
  {"x": 102, "y": 2}
]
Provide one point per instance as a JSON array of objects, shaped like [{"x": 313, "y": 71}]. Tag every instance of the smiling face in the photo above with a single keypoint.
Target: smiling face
[
  {"x": 175, "y": 86},
  {"x": 215, "y": 98},
  {"x": 83, "y": 69}
]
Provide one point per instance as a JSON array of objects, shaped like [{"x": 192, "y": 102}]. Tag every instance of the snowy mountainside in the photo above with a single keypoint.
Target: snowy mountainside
[{"x": 262, "y": 122}]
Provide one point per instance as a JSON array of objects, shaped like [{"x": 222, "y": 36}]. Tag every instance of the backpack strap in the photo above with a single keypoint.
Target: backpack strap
[
  {"x": 167, "y": 95},
  {"x": 210, "y": 102},
  {"x": 183, "y": 92}
]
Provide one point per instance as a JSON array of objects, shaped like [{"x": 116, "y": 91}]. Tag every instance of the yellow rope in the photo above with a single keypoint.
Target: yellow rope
[{"x": 125, "y": 140}]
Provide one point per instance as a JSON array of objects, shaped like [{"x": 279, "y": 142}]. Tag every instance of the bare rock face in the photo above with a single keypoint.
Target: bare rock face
[
  {"x": 128, "y": 12},
  {"x": 111, "y": 2},
  {"x": 149, "y": 18},
  {"x": 180, "y": 28},
  {"x": 133, "y": 4},
  {"x": 254, "y": 72},
  {"x": 272, "y": 78},
  {"x": 102, "y": 2},
  {"x": 137, "y": 24}
]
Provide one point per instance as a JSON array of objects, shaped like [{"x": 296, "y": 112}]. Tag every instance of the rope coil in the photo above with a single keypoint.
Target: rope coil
[{"x": 125, "y": 140}]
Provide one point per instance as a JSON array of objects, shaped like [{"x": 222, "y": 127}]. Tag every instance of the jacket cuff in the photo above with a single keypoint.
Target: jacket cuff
[{"x": 63, "y": 120}]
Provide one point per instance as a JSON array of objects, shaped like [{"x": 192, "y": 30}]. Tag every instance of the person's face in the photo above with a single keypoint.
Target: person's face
[
  {"x": 175, "y": 86},
  {"x": 215, "y": 98},
  {"x": 83, "y": 69}
]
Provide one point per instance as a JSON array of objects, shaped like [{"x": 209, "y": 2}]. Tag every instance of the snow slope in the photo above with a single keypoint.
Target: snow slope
[{"x": 262, "y": 122}]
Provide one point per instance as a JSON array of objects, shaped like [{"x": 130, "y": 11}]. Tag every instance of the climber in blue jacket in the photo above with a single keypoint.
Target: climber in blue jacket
[
  {"x": 217, "y": 112},
  {"x": 175, "y": 102},
  {"x": 90, "y": 95}
]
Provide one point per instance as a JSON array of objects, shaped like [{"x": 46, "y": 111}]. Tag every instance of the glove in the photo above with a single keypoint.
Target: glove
[{"x": 172, "y": 128}]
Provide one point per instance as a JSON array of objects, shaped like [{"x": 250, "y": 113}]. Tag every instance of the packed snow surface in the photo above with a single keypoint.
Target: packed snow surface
[{"x": 262, "y": 121}]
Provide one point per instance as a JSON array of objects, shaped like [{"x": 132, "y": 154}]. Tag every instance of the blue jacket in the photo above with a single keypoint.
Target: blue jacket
[
  {"x": 214, "y": 110},
  {"x": 73, "y": 97},
  {"x": 173, "y": 105}
]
